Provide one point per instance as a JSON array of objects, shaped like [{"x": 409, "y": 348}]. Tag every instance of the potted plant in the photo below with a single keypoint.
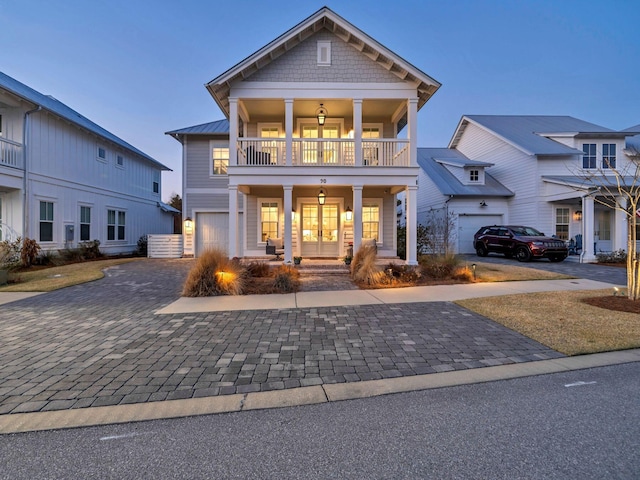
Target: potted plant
[{"x": 297, "y": 260}]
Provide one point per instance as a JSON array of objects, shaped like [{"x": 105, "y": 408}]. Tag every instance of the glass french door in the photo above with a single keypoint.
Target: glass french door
[
  {"x": 325, "y": 152},
  {"x": 320, "y": 230}
]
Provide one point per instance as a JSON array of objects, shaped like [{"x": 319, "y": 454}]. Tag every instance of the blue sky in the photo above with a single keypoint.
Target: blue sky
[{"x": 137, "y": 67}]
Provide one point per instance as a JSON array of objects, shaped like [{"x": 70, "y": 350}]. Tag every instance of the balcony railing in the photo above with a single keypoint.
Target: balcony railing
[
  {"x": 323, "y": 152},
  {"x": 10, "y": 153}
]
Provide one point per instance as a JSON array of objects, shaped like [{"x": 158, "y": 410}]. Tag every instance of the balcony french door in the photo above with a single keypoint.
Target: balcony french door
[
  {"x": 325, "y": 152},
  {"x": 320, "y": 230}
]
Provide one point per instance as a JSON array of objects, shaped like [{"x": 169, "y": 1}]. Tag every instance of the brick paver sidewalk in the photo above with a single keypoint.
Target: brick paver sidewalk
[{"x": 101, "y": 344}]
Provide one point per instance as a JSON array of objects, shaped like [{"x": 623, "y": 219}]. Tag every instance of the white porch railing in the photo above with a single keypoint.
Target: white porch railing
[
  {"x": 323, "y": 152},
  {"x": 10, "y": 153}
]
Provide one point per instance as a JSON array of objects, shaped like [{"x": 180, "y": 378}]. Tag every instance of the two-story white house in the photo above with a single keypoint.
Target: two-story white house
[
  {"x": 65, "y": 180},
  {"x": 311, "y": 151},
  {"x": 544, "y": 161}
]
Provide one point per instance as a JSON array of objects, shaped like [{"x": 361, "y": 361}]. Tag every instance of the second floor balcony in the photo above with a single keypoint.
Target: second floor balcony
[
  {"x": 323, "y": 152},
  {"x": 10, "y": 154}
]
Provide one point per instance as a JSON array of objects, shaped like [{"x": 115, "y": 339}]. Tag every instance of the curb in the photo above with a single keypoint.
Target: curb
[{"x": 94, "y": 416}]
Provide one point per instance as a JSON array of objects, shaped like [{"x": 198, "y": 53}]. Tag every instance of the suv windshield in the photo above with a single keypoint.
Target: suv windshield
[{"x": 526, "y": 231}]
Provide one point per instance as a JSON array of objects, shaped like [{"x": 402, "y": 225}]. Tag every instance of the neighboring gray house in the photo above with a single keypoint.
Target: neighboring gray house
[
  {"x": 310, "y": 153},
  {"x": 543, "y": 161},
  {"x": 64, "y": 179}
]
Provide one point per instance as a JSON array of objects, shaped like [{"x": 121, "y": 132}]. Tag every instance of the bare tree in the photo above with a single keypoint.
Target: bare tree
[
  {"x": 613, "y": 183},
  {"x": 440, "y": 231}
]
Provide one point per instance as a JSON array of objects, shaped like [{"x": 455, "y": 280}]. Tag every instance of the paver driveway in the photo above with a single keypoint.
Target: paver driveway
[{"x": 102, "y": 344}]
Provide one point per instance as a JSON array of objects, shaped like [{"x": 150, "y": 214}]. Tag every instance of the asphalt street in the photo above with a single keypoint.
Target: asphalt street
[{"x": 576, "y": 425}]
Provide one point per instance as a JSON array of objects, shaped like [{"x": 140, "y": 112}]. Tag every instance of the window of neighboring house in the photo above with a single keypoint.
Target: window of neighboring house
[
  {"x": 562, "y": 223},
  {"x": 115, "y": 225},
  {"x": 85, "y": 223},
  {"x": 474, "y": 175},
  {"x": 46, "y": 221},
  {"x": 324, "y": 52},
  {"x": 0, "y": 125},
  {"x": 220, "y": 160},
  {"x": 371, "y": 221},
  {"x": 102, "y": 154},
  {"x": 269, "y": 214},
  {"x": 609, "y": 155},
  {"x": 156, "y": 182},
  {"x": 119, "y": 160},
  {"x": 589, "y": 156}
]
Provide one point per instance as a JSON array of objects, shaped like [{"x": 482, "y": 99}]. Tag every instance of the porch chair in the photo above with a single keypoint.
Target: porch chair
[
  {"x": 275, "y": 246},
  {"x": 575, "y": 247}
]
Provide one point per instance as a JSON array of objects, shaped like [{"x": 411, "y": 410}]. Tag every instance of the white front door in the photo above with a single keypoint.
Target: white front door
[{"x": 320, "y": 230}]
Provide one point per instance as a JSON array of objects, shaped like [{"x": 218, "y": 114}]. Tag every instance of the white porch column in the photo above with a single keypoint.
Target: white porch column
[
  {"x": 357, "y": 217},
  {"x": 233, "y": 221},
  {"x": 412, "y": 120},
  {"x": 621, "y": 225},
  {"x": 412, "y": 224},
  {"x": 288, "y": 228},
  {"x": 288, "y": 133},
  {"x": 357, "y": 131},
  {"x": 588, "y": 227},
  {"x": 233, "y": 131}
]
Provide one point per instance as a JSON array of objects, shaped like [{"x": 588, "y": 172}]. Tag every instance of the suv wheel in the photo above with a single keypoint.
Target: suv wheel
[
  {"x": 481, "y": 250},
  {"x": 523, "y": 254}
]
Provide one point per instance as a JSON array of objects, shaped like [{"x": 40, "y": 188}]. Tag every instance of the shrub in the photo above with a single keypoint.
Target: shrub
[
  {"x": 438, "y": 267},
  {"x": 619, "y": 256},
  {"x": 10, "y": 254},
  {"x": 214, "y": 274},
  {"x": 49, "y": 257},
  {"x": 29, "y": 252},
  {"x": 364, "y": 269},
  {"x": 258, "y": 269},
  {"x": 286, "y": 279},
  {"x": 143, "y": 246},
  {"x": 90, "y": 249},
  {"x": 70, "y": 255},
  {"x": 462, "y": 273},
  {"x": 403, "y": 273}
]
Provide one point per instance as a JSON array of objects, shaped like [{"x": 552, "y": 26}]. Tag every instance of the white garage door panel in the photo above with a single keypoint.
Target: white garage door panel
[
  {"x": 212, "y": 232},
  {"x": 468, "y": 225}
]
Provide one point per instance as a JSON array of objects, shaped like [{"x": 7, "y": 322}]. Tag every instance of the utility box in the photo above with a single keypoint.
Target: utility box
[{"x": 68, "y": 233}]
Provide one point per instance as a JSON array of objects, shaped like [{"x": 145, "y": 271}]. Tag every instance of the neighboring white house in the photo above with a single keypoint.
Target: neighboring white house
[
  {"x": 310, "y": 152},
  {"x": 543, "y": 160},
  {"x": 459, "y": 193},
  {"x": 65, "y": 180}
]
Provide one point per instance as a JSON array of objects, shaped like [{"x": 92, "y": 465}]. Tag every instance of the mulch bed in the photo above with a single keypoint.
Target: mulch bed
[{"x": 620, "y": 303}]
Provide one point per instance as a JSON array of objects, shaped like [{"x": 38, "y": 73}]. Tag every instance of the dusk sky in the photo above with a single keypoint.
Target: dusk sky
[{"x": 138, "y": 67}]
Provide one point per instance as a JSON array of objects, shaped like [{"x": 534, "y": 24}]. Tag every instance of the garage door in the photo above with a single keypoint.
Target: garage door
[{"x": 468, "y": 225}]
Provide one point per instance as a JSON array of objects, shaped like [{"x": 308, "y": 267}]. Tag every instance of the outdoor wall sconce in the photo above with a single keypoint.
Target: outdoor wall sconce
[
  {"x": 188, "y": 226},
  {"x": 577, "y": 215},
  {"x": 321, "y": 197},
  {"x": 321, "y": 114},
  {"x": 348, "y": 214},
  {"x": 483, "y": 203}
]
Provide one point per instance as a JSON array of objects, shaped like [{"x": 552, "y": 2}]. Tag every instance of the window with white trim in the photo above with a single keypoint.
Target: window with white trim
[
  {"x": 119, "y": 160},
  {"x": 269, "y": 217},
  {"x": 562, "y": 223},
  {"x": 589, "y": 155},
  {"x": 116, "y": 225},
  {"x": 46, "y": 221},
  {"x": 85, "y": 223},
  {"x": 609, "y": 155},
  {"x": 101, "y": 153},
  {"x": 220, "y": 159},
  {"x": 156, "y": 182},
  {"x": 371, "y": 221}
]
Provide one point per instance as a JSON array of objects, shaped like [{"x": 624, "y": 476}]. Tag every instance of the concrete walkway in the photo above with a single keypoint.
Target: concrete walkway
[{"x": 103, "y": 353}]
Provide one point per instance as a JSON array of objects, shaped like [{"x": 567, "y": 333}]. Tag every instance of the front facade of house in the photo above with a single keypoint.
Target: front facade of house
[
  {"x": 65, "y": 180},
  {"x": 544, "y": 161},
  {"x": 310, "y": 152}
]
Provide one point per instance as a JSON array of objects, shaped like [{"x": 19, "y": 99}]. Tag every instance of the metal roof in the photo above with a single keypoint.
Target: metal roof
[
  {"x": 590, "y": 183},
  {"x": 633, "y": 143},
  {"x": 447, "y": 183},
  {"x": 61, "y": 110},
  {"x": 527, "y": 132},
  {"x": 219, "y": 127},
  {"x": 325, "y": 18}
]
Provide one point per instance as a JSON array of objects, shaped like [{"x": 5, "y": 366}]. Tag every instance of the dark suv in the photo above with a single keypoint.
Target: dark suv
[{"x": 524, "y": 243}]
